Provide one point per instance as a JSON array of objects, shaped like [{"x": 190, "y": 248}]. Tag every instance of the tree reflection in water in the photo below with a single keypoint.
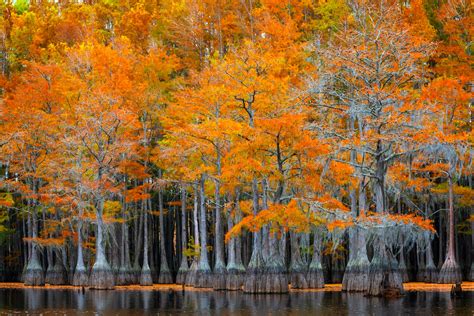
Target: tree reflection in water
[{"x": 227, "y": 303}]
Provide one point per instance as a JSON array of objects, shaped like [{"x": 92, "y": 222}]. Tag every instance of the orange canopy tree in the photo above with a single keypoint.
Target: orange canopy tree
[
  {"x": 366, "y": 80},
  {"x": 104, "y": 129}
]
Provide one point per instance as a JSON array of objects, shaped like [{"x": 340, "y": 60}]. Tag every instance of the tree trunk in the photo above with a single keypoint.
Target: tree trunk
[
  {"x": 384, "y": 275},
  {"x": 298, "y": 268},
  {"x": 253, "y": 282},
  {"x": 33, "y": 274},
  {"x": 138, "y": 244},
  {"x": 145, "y": 277},
  {"x": 219, "y": 273},
  {"x": 81, "y": 277},
  {"x": 235, "y": 268},
  {"x": 450, "y": 271},
  {"x": 355, "y": 277},
  {"x": 183, "y": 267},
  {"x": 57, "y": 275},
  {"x": 203, "y": 273},
  {"x": 315, "y": 272},
  {"x": 125, "y": 274},
  {"x": 101, "y": 276},
  {"x": 431, "y": 273},
  {"x": 420, "y": 263},
  {"x": 191, "y": 276},
  {"x": 402, "y": 266},
  {"x": 165, "y": 276}
]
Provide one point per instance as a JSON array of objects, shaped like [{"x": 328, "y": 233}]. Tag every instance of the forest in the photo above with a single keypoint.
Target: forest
[{"x": 252, "y": 145}]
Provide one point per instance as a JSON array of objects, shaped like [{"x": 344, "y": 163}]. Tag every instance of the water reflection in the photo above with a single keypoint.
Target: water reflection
[{"x": 121, "y": 302}]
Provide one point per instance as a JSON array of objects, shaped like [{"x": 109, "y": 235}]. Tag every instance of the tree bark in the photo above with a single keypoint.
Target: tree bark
[
  {"x": 191, "y": 276},
  {"x": 183, "y": 267},
  {"x": 145, "y": 277},
  {"x": 101, "y": 276},
  {"x": 165, "y": 276},
  {"x": 81, "y": 277},
  {"x": 450, "y": 271},
  {"x": 33, "y": 274},
  {"x": 203, "y": 274}
]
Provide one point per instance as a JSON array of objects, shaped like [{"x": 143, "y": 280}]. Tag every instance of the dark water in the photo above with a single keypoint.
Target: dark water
[{"x": 71, "y": 302}]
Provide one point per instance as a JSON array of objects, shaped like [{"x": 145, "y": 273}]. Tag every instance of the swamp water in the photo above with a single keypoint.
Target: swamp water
[{"x": 144, "y": 302}]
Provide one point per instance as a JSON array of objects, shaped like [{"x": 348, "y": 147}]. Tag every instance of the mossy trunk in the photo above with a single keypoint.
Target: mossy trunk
[
  {"x": 191, "y": 275},
  {"x": 57, "y": 274},
  {"x": 101, "y": 277},
  {"x": 165, "y": 276},
  {"x": 275, "y": 277},
  {"x": 298, "y": 268},
  {"x": 125, "y": 274},
  {"x": 203, "y": 273},
  {"x": 81, "y": 276},
  {"x": 33, "y": 274},
  {"x": 253, "y": 276},
  {"x": 235, "y": 268},
  {"x": 315, "y": 275},
  {"x": 420, "y": 261},
  {"x": 384, "y": 276},
  {"x": 138, "y": 236},
  {"x": 450, "y": 271},
  {"x": 402, "y": 266},
  {"x": 219, "y": 273},
  {"x": 183, "y": 267},
  {"x": 269, "y": 275},
  {"x": 145, "y": 275},
  {"x": 356, "y": 275},
  {"x": 431, "y": 272}
]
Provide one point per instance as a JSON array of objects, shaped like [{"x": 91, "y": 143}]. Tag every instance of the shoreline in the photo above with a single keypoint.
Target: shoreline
[{"x": 409, "y": 287}]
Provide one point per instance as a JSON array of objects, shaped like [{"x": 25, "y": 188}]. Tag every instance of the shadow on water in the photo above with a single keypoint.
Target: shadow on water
[{"x": 71, "y": 302}]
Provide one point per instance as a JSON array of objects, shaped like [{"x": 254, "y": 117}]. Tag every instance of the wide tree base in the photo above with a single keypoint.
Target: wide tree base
[
  {"x": 165, "y": 277},
  {"x": 102, "y": 279},
  {"x": 203, "y": 279},
  {"x": 315, "y": 278},
  {"x": 125, "y": 276},
  {"x": 181, "y": 276},
  {"x": 56, "y": 275},
  {"x": 146, "y": 278},
  {"x": 80, "y": 278},
  {"x": 450, "y": 272},
  {"x": 261, "y": 281},
  {"x": 384, "y": 279},
  {"x": 356, "y": 277},
  {"x": 234, "y": 279},
  {"x": 33, "y": 277},
  {"x": 298, "y": 279},
  {"x": 135, "y": 275},
  {"x": 191, "y": 277},
  {"x": 219, "y": 278}
]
